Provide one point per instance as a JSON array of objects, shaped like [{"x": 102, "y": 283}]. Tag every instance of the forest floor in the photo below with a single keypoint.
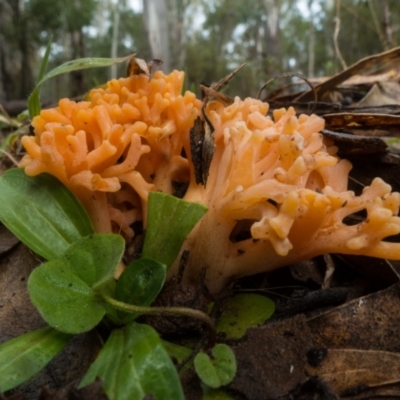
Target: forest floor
[{"x": 334, "y": 332}]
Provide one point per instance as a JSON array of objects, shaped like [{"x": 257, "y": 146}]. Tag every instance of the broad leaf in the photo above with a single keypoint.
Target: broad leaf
[
  {"x": 170, "y": 220},
  {"x": 82, "y": 63},
  {"x": 42, "y": 212},
  {"x": 95, "y": 258},
  {"x": 218, "y": 371},
  {"x": 139, "y": 284},
  {"x": 23, "y": 357},
  {"x": 133, "y": 364},
  {"x": 243, "y": 311},
  {"x": 64, "y": 301},
  {"x": 67, "y": 291}
]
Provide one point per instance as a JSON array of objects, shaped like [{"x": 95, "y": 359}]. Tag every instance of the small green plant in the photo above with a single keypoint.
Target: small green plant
[
  {"x": 75, "y": 289},
  {"x": 243, "y": 311},
  {"x": 216, "y": 371}
]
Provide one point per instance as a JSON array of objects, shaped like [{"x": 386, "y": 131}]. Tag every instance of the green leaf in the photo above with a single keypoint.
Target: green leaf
[
  {"x": 139, "y": 284},
  {"x": 67, "y": 291},
  {"x": 43, "y": 64},
  {"x": 132, "y": 364},
  {"x": 23, "y": 357},
  {"x": 82, "y": 63},
  {"x": 94, "y": 259},
  {"x": 169, "y": 222},
  {"x": 42, "y": 212},
  {"x": 178, "y": 352},
  {"x": 64, "y": 301},
  {"x": 244, "y": 311},
  {"x": 218, "y": 371},
  {"x": 34, "y": 100}
]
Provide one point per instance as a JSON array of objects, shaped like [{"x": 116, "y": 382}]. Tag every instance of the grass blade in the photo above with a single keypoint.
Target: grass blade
[{"x": 75, "y": 65}]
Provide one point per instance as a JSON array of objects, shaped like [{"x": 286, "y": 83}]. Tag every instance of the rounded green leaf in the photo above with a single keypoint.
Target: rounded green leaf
[
  {"x": 139, "y": 284},
  {"x": 244, "y": 311},
  {"x": 63, "y": 299},
  {"x": 224, "y": 362},
  {"x": 218, "y": 371},
  {"x": 42, "y": 212},
  {"x": 66, "y": 291},
  {"x": 206, "y": 370}
]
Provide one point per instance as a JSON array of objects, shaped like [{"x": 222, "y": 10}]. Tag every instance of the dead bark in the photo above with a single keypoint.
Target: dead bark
[
  {"x": 115, "y": 35},
  {"x": 387, "y": 25},
  {"x": 155, "y": 14},
  {"x": 311, "y": 41},
  {"x": 271, "y": 35}
]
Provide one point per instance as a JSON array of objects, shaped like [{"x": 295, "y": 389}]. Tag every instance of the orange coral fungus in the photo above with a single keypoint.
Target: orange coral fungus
[
  {"x": 111, "y": 150},
  {"x": 277, "y": 194},
  {"x": 276, "y": 191}
]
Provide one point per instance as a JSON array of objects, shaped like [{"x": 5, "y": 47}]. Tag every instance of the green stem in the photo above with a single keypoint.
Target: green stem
[{"x": 166, "y": 311}]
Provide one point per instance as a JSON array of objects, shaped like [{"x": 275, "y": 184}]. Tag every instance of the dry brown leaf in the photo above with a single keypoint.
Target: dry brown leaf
[
  {"x": 347, "y": 369},
  {"x": 364, "y": 64},
  {"x": 381, "y": 93},
  {"x": 357, "y": 79},
  {"x": 367, "y": 323},
  {"x": 138, "y": 66},
  {"x": 212, "y": 93},
  {"x": 272, "y": 359}
]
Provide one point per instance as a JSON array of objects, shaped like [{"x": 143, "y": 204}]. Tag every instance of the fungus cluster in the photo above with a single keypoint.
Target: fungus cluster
[
  {"x": 276, "y": 191},
  {"x": 277, "y": 194},
  {"x": 114, "y": 148}
]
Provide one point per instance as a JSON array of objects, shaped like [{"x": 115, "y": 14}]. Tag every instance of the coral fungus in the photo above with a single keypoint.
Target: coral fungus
[
  {"x": 116, "y": 147},
  {"x": 277, "y": 194},
  {"x": 276, "y": 191}
]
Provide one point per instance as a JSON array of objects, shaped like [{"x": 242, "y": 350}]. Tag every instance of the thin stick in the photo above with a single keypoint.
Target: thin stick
[
  {"x": 336, "y": 35},
  {"x": 289, "y": 75},
  {"x": 377, "y": 25},
  {"x": 6, "y": 153}
]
